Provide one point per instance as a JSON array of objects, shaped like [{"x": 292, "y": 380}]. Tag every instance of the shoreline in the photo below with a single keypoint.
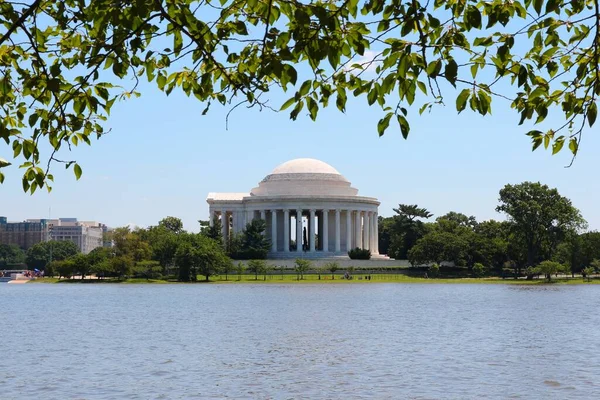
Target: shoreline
[{"x": 274, "y": 280}]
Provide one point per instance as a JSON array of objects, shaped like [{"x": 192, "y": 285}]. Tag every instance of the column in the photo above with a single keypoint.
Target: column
[
  {"x": 358, "y": 228},
  {"x": 224, "y": 226},
  {"x": 376, "y": 238},
  {"x": 211, "y": 218},
  {"x": 263, "y": 216},
  {"x": 366, "y": 227},
  {"x": 299, "y": 230},
  {"x": 234, "y": 222},
  {"x": 325, "y": 233},
  {"x": 348, "y": 230},
  {"x": 273, "y": 231},
  {"x": 311, "y": 231},
  {"x": 372, "y": 232},
  {"x": 286, "y": 230},
  {"x": 337, "y": 231}
]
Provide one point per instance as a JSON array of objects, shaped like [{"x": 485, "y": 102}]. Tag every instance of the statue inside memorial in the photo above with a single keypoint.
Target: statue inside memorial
[{"x": 304, "y": 240}]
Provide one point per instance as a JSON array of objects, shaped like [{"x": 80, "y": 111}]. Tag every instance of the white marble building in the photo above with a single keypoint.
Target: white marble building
[{"x": 335, "y": 218}]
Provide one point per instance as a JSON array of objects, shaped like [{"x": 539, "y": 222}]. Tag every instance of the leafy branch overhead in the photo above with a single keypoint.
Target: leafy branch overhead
[{"x": 64, "y": 64}]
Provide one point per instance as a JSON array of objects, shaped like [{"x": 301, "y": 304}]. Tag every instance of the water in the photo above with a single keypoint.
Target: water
[{"x": 385, "y": 341}]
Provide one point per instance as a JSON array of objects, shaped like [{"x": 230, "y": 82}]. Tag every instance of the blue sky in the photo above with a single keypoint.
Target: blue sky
[{"x": 163, "y": 157}]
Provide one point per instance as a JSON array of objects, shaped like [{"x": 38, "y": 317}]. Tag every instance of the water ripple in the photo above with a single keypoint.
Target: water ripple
[{"x": 300, "y": 341}]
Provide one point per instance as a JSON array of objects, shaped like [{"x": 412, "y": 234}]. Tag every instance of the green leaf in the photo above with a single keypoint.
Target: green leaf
[
  {"x": 404, "y": 126},
  {"x": 177, "y": 41},
  {"x": 77, "y": 171},
  {"x": 55, "y": 69},
  {"x": 573, "y": 146},
  {"x": 313, "y": 108},
  {"x": 461, "y": 100},
  {"x": 33, "y": 119},
  {"x": 372, "y": 96},
  {"x": 3, "y": 163},
  {"x": 558, "y": 144},
  {"x": 287, "y": 104},
  {"x": 161, "y": 81},
  {"x": 592, "y": 113},
  {"x": 305, "y": 88},
  {"x": 473, "y": 17},
  {"x": 451, "y": 72},
  {"x": 383, "y": 124}
]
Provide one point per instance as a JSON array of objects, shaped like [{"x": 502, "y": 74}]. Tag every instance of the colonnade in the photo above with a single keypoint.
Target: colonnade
[{"x": 359, "y": 226}]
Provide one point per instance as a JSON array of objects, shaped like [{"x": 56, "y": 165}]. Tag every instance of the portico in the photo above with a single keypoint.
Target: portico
[{"x": 309, "y": 208}]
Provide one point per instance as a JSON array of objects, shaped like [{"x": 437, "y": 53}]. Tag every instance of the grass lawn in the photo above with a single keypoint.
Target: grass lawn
[{"x": 326, "y": 279}]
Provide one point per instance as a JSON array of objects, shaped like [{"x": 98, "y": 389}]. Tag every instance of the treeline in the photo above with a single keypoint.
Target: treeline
[
  {"x": 164, "y": 251},
  {"x": 541, "y": 226},
  {"x": 11, "y": 255}
]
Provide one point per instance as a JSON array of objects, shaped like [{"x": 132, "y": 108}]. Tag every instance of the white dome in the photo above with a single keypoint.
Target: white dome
[
  {"x": 305, "y": 166},
  {"x": 304, "y": 177}
]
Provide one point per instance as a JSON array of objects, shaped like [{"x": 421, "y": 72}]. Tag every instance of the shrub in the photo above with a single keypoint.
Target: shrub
[
  {"x": 332, "y": 267},
  {"x": 302, "y": 266},
  {"x": 507, "y": 273},
  {"x": 549, "y": 268},
  {"x": 359, "y": 254},
  {"x": 479, "y": 270},
  {"x": 434, "y": 270},
  {"x": 587, "y": 273}
]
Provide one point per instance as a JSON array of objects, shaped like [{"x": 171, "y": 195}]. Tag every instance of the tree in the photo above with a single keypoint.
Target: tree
[
  {"x": 147, "y": 269},
  {"x": 240, "y": 269},
  {"x": 252, "y": 243},
  {"x": 121, "y": 266},
  {"x": 455, "y": 219},
  {"x": 479, "y": 270},
  {"x": 437, "y": 247},
  {"x": 11, "y": 254},
  {"x": 548, "y": 268},
  {"x": 64, "y": 268},
  {"x": 81, "y": 264},
  {"x": 210, "y": 258},
  {"x": 228, "y": 268},
  {"x": 214, "y": 231},
  {"x": 100, "y": 254},
  {"x": 385, "y": 230},
  {"x": 265, "y": 270},
  {"x": 197, "y": 254},
  {"x": 301, "y": 267},
  {"x": 103, "y": 269},
  {"x": 131, "y": 244},
  {"x": 332, "y": 267},
  {"x": 61, "y": 250},
  {"x": 61, "y": 62},
  {"x": 163, "y": 244},
  {"x": 406, "y": 229},
  {"x": 256, "y": 267},
  {"x": 184, "y": 258},
  {"x": 41, "y": 253},
  {"x": 172, "y": 224},
  {"x": 540, "y": 217}
]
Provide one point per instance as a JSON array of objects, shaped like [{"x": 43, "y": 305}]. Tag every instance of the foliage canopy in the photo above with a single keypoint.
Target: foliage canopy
[{"x": 64, "y": 64}]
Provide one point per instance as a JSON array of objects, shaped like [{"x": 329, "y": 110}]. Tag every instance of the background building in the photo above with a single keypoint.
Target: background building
[
  {"x": 87, "y": 235},
  {"x": 23, "y": 234}
]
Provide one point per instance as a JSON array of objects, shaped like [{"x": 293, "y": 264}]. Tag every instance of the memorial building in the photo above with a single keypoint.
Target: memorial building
[{"x": 307, "y": 199}]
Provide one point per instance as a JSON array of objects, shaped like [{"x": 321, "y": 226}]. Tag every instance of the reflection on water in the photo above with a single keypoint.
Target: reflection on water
[{"x": 299, "y": 341}]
